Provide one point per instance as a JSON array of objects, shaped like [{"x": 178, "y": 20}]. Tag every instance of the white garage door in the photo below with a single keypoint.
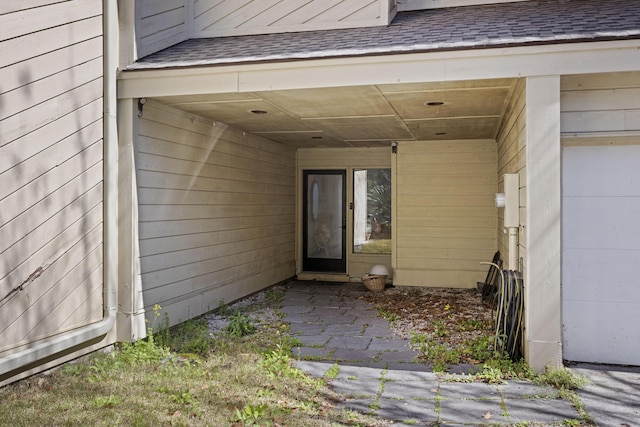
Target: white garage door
[{"x": 601, "y": 254}]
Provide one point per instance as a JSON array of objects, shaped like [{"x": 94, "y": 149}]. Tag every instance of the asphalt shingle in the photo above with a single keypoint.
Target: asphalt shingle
[{"x": 458, "y": 28}]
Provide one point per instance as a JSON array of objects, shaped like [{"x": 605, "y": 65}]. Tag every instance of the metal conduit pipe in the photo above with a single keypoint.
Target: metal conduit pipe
[
  {"x": 94, "y": 331},
  {"x": 513, "y": 248}
]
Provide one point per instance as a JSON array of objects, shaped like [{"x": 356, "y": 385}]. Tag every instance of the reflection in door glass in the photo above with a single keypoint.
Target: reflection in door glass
[
  {"x": 372, "y": 211},
  {"x": 325, "y": 217}
]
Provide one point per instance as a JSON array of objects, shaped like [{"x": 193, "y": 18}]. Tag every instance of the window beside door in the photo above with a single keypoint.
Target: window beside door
[{"x": 372, "y": 211}]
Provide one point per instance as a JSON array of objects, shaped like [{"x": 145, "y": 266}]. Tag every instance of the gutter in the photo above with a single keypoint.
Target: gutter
[{"x": 47, "y": 350}]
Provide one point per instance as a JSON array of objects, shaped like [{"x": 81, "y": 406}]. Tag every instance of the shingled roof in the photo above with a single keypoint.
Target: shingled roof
[{"x": 459, "y": 28}]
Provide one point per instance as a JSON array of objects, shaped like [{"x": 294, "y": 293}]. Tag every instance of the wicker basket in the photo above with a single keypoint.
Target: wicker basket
[{"x": 374, "y": 282}]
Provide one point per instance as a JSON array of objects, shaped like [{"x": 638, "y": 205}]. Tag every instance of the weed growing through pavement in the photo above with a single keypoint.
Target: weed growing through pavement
[
  {"x": 387, "y": 314},
  {"x": 562, "y": 378},
  {"x": 332, "y": 372},
  {"x": 442, "y": 354},
  {"x": 277, "y": 363}
]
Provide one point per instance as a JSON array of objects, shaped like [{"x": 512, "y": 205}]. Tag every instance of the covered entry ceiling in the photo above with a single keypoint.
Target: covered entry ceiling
[{"x": 361, "y": 116}]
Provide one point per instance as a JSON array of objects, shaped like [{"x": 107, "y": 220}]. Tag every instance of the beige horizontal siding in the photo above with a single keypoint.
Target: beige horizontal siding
[
  {"x": 15, "y": 6},
  {"x": 600, "y": 103},
  {"x": 512, "y": 160},
  {"x": 54, "y": 108},
  {"x": 160, "y": 24},
  {"x": 179, "y": 228},
  {"x": 214, "y": 18},
  {"x": 51, "y": 153},
  {"x": 32, "y": 45},
  {"x": 335, "y": 158},
  {"x": 216, "y": 212},
  {"x": 445, "y": 216},
  {"x": 78, "y": 286},
  {"x": 51, "y": 63},
  {"x": 22, "y": 22}
]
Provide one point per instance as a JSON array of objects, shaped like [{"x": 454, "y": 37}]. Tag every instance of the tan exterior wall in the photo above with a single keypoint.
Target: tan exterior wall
[
  {"x": 445, "y": 218},
  {"x": 348, "y": 159},
  {"x": 51, "y": 152},
  {"x": 214, "y": 18},
  {"x": 159, "y": 24},
  {"x": 216, "y": 212},
  {"x": 512, "y": 159}
]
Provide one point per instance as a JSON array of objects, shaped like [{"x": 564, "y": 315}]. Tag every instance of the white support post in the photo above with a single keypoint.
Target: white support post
[
  {"x": 130, "y": 321},
  {"x": 543, "y": 321}
]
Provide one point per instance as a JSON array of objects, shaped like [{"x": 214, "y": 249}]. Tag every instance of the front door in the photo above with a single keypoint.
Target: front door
[{"x": 324, "y": 221}]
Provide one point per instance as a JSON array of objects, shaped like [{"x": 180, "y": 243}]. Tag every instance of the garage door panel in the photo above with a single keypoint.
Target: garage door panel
[
  {"x": 601, "y": 275},
  {"x": 617, "y": 332},
  {"x": 601, "y": 254},
  {"x": 588, "y": 171},
  {"x": 601, "y": 222}
]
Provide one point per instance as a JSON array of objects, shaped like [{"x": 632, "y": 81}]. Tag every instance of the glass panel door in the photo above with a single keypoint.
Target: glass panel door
[{"x": 324, "y": 221}]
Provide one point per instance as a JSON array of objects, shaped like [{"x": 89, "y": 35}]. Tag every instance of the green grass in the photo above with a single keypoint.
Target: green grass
[
  {"x": 382, "y": 246},
  {"x": 185, "y": 376},
  {"x": 181, "y": 377}
]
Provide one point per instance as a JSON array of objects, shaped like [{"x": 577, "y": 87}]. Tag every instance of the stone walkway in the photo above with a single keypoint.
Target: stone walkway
[
  {"x": 333, "y": 325},
  {"x": 379, "y": 373}
]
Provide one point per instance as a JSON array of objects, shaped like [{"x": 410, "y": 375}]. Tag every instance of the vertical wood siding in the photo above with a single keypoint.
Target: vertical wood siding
[
  {"x": 512, "y": 142},
  {"x": 51, "y": 95},
  {"x": 445, "y": 215},
  {"x": 213, "y": 18},
  {"x": 216, "y": 212},
  {"x": 160, "y": 24}
]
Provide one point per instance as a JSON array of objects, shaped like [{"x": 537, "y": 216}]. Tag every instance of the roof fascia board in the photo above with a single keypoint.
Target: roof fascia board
[
  {"x": 560, "y": 59},
  {"x": 406, "y": 5}
]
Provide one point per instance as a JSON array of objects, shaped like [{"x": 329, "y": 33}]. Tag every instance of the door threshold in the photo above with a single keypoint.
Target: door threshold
[{"x": 325, "y": 277}]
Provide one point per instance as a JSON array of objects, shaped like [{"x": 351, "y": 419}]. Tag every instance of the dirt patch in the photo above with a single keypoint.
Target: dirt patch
[{"x": 453, "y": 320}]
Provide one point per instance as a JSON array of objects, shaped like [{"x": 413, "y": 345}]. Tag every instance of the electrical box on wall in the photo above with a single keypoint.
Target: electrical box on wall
[{"x": 511, "y": 200}]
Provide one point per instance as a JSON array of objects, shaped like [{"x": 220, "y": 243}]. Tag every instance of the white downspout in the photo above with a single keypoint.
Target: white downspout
[
  {"x": 512, "y": 215},
  {"x": 94, "y": 331}
]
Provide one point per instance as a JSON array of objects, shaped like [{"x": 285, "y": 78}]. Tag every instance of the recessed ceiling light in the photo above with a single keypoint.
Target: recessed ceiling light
[
  {"x": 258, "y": 112},
  {"x": 434, "y": 103}
]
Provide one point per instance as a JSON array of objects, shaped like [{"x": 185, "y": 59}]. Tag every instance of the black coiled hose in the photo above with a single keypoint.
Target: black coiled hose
[{"x": 509, "y": 314}]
